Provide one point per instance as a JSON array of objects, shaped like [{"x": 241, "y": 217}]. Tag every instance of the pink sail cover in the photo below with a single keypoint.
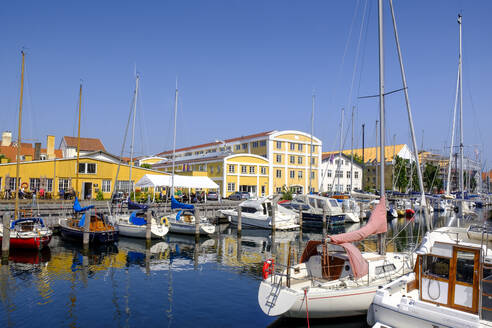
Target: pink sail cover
[
  {"x": 359, "y": 265},
  {"x": 377, "y": 224}
]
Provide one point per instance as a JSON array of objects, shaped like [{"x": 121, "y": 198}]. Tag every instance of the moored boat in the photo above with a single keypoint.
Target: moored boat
[{"x": 28, "y": 233}]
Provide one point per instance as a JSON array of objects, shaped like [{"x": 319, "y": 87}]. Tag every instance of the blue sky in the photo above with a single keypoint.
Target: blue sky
[{"x": 243, "y": 67}]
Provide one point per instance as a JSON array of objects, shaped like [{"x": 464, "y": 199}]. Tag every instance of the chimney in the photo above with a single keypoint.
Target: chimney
[
  {"x": 37, "y": 151},
  {"x": 50, "y": 147},
  {"x": 6, "y": 138}
]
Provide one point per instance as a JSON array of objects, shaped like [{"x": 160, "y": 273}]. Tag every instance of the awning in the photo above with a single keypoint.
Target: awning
[{"x": 180, "y": 181}]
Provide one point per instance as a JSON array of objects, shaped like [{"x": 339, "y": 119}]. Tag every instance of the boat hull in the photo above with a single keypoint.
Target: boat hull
[
  {"x": 98, "y": 237},
  {"x": 189, "y": 229},
  {"x": 312, "y": 220},
  {"x": 29, "y": 243},
  {"x": 134, "y": 231}
]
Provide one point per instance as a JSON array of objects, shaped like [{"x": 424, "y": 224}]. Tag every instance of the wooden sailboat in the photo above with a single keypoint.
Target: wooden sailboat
[
  {"x": 101, "y": 231},
  {"x": 26, "y": 232}
]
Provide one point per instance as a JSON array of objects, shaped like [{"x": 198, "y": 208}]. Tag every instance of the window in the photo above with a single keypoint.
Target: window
[
  {"x": 279, "y": 144},
  {"x": 49, "y": 185},
  {"x": 263, "y": 170},
  {"x": 106, "y": 186},
  {"x": 63, "y": 184},
  {"x": 0, "y": 183},
  {"x": 245, "y": 146},
  {"x": 464, "y": 267},
  {"x": 328, "y": 173},
  {"x": 292, "y": 159},
  {"x": 231, "y": 186},
  {"x": 313, "y": 174},
  {"x": 348, "y": 174},
  {"x": 211, "y": 170},
  {"x": 231, "y": 168},
  {"x": 385, "y": 268},
  {"x": 436, "y": 266},
  {"x": 238, "y": 147},
  {"x": 349, "y": 187},
  {"x": 292, "y": 174},
  {"x": 124, "y": 185},
  {"x": 278, "y": 190},
  {"x": 12, "y": 184},
  {"x": 255, "y": 144},
  {"x": 34, "y": 184},
  {"x": 312, "y": 190},
  {"x": 329, "y": 186},
  {"x": 87, "y": 168},
  {"x": 279, "y": 158},
  {"x": 251, "y": 170},
  {"x": 292, "y": 146},
  {"x": 299, "y": 174},
  {"x": 356, "y": 174},
  {"x": 313, "y": 148},
  {"x": 218, "y": 169},
  {"x": 299, "y": 160},
  {"x": 279, "y": 173},
  {"x": 263, "y": 189},
  {"x": 313, "y": 160},
  {"x": 201, "y": 167},
  {"x": 338, "y": 174},
  {"x": 299, "y": 147},
  {"x": 262, "y": 143},
  {"x": 244, "y": 169}
]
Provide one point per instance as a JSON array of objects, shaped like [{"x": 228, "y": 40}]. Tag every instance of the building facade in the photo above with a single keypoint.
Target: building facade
[
  {"x": 336, "y": 174},
  {"x": 262, "y": 163},
  {"x": 68, "y": 146}
]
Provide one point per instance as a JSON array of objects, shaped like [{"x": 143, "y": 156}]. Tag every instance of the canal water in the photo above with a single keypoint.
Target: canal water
[{"x": 178, "y": 282}]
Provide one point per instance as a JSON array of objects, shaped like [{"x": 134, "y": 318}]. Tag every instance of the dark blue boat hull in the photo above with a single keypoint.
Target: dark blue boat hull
[
  {"x": 311, "y": 220},
  {"x": 99, "y": 237}
]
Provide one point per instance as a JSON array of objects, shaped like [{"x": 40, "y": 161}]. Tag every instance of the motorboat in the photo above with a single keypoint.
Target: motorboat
[
  {"x": 135, "y": 224},
  {"x": 312, "y": 207},
  {"x": 28, "y": 233},
  {"x": 450, "y": 287},
  {"x": 333, "y": 278},
  {"x": 351, "y": 210},
  {"x": 183, "y": 221},
  {"x": 259, "y": 213},
  {"x": 101, "y": 230}
]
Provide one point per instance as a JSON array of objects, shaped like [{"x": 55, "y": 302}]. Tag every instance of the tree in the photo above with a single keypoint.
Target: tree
[
  {"x": 430, "y": 177},
  {"x": 286, "y": 193},
  {"x": 146, "y": 166}
]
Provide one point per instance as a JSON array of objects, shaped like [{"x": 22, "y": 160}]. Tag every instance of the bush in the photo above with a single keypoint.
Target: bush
[{"x": 99, "y": 195}]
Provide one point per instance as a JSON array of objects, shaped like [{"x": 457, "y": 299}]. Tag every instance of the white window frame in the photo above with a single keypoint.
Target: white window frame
[
  {"x": 292, "y": 146},
  {"x": 292, "y": 159},
  {"x": 299, "y": 174},
  {"x": 106, "y": 186},
  {"x": 279, "y": 144},
  {"x": 231, "y": 168},
  {"x": 64, "y": 184},
  {"x": 292, "y": 174},
  {"x": 278, "y": 173},
  {"x": 34, "y": 183},
  {"x": 244, "y": 169},
  {"x": 279, "y": 158},
  {"x": 299, "y": 160},
  {"x": 300, "y": 147},
  {"x": 231, "y": 186},
  {"x": 49, "y": 185},
  {"x": 251, "y": 170},
  {"x": 263, "y": 170}
]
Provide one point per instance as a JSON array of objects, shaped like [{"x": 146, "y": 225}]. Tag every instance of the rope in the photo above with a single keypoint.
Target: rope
[
  {"x": 307, "y": 310},
  {"x": 394, "y": 237}
]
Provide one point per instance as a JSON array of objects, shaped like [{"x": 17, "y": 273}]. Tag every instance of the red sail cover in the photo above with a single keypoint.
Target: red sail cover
[{"x": 377, "y": 224}]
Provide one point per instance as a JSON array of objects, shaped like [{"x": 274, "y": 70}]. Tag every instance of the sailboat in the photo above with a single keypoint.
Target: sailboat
[
  {"x": 28, "y": 232},
  {"x": 185, "y": 220},
  {"x": 333, "y": 277},
  {"x": 451, "y": 283},
  {"x": 135, "y": 223},
  {"x": 101, "y": 230}
]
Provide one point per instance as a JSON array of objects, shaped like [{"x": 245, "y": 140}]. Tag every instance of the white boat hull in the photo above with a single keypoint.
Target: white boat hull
[
  {"x": 131, "y": 230},
  {"x": 351, "y": 218},
  {"x": 260, "y": 222}
]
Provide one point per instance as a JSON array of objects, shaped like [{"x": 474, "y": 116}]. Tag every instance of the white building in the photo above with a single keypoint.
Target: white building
[{"x": 335, "y": 174}]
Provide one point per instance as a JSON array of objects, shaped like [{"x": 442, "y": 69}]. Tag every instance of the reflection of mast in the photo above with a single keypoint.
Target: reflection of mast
[{"x": 170, "y": 290}]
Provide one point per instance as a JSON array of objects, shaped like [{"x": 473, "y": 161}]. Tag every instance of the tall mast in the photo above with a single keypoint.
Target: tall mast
[
  {"x": 78, "y": 142},
  {"x": 376, "y": 157},
  {"x": 340, "y": 153},
  {"x": 381, "y": 237},
  {"x": 174, "y": 138},
  {"x": 130, "y": 187},
  {"x": 311, "y": 149},
  {"x": 352, "y": 154},
  {"x": 448, "y": 184},
  {"x": 363, "y": 145},
  {"x": 462, "y": 189},
  {"x": 17, "y": 168}
]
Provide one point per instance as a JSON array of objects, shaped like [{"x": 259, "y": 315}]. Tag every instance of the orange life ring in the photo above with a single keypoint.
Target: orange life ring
[
  {"x": 24, "y": 185},
  {"x": 268, "y": 267}
]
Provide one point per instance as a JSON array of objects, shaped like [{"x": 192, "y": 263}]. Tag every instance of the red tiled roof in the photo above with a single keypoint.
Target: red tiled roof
[
  {"x": 87, "y": 144},
  {"x": 251, "y": 136}
]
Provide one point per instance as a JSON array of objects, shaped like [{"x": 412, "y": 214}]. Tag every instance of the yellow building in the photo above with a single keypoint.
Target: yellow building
[
  {"x": 97, "y": 172},
  {"x": 261, "y": 163}
]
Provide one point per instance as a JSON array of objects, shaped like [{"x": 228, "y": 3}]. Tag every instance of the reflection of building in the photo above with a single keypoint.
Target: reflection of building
[
  {"x": 260, "y": 163},
  {"x": 336, "y": 172}
]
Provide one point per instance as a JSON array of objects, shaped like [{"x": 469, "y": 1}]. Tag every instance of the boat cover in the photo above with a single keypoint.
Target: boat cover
[
  {"x": 177, "y": 205},
  {"x": 134, "y": 219},
  {"x": 77, "y": 208},
  {"x": 136, "y": 206},
  {"x": 82, "y": 221},
  {"x": 12, "y": 225}
]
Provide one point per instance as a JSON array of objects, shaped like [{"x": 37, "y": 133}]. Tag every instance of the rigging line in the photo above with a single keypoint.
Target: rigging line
[
  {"x": 384, "y": 94},
  {"x": 356, "y": 60},
  {"x": 30, "y": 111},
  {"x": 364, "y": 47}
]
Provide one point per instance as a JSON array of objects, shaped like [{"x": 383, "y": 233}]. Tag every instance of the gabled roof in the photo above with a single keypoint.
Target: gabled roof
[
  {"x": 86, "y": 144},
  {"x": 251, "y": 136}
]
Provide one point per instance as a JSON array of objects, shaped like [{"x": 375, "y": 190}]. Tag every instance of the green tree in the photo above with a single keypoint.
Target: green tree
[
  {"x": 286, "y": 193},
  {"x": 99, "y": 195},
  {"x": 401, "y": 173},
  {"x": 431, "y": 180},
  {"x": 146, "y": 166}
]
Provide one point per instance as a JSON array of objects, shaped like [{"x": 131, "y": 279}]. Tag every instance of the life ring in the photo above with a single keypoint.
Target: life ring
[
  {"x": 24, "y": 185},
  {"x": 164, "y": 221},
  {"x": 268, "y": 267}
]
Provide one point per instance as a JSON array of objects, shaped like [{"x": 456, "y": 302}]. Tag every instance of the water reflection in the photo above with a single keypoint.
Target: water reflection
[{"x": 177, "y": 281}]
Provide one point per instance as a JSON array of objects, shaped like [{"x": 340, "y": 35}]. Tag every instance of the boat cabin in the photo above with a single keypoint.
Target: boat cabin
[{"x": 316, "y": 204}]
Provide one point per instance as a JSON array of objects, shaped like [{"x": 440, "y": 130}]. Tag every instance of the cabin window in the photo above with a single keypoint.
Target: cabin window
[
  {"x": 321, "y": 203},
  {"x": 464, "y": 267},
  {"x": 333, "y": 203},
  {"x": 385, "y": 268},
  {"x": 312, "y": 202},
  {"x": 436, "y": 266},
  {"x": 248, "y": 209}
]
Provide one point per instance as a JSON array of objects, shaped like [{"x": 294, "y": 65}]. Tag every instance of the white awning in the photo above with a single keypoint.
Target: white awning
[{"x": 180, "y": 181}]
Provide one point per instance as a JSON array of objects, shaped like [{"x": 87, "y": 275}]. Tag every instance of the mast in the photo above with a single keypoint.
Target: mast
[
  {"x": 381, "y": 237},
  {"x": 17, "y": 167},
  {"x": 174, "y": 137},
  {"x": 352, "y": 154},
  {"x": 340, "y": 153},
  {"x": 376, "y": 155},
  {"x": 448, "y": 184},
  {"x": 363, "y": 146},
  {"x": 311, "y": 150},
  {"x": 130, "y": 187},
  {"x": 462, "y": 189},
  {"x": 78, "y": 142}
]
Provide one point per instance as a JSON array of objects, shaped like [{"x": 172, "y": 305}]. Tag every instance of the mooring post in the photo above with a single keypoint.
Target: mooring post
[
  {"x": 87, "y": 223},
  {"x": 197, "y": 222},
  {"x": 239, "y": 219},
  {"x": 300, "y": 218},
  {"x": 324, "y": 222},
  {"x": 6, "y": 237},
  {"x": 274, "y": 208},
  {"x": 148, "y": 231}
]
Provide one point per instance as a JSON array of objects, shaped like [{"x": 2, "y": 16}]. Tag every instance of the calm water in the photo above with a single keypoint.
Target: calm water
[{"x": 177, "y": 283}]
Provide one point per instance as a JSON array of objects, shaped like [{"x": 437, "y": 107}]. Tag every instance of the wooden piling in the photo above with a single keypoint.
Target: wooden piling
[
  {"x": 274, "y": 210},
  {"x": 239, "y": 219},
  {"x": 197, "y": 222},
  {"x": 87, "y": 228},
  {"x": 6, "y": 236},
  {"x": 148, "y": 231},
  {"x": 300, "y": 218}
]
